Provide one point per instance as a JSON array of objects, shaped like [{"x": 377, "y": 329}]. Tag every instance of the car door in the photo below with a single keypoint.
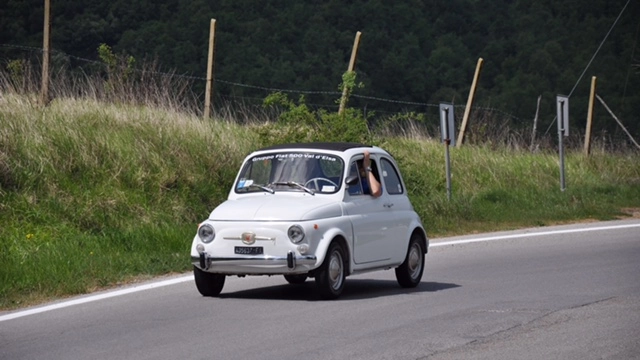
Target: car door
[
  {"x": 400, "y": 214},
  {"x": 370, "y": 218}
]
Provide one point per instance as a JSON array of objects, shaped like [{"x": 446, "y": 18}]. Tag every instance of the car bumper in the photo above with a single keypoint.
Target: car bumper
[{"x": 255, "y": 264}]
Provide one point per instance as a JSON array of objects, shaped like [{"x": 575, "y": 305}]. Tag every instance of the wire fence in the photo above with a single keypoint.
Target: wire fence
[
  {"x": 69, "y": 59},
  {"x": 150, "y": 84}
]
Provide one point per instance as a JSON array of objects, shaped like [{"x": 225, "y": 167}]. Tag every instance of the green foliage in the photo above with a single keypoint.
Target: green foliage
[
  {"x": 17, "y": 72},
  {"x": 107, "y": 56},
  {"x": 297, "y": 123},
  {"x": 350, "y": 126},
  {"x": 293, "y": 114},
  {"x": 347, "y": 86},
  {"x": 422, "y": 52},
  {"x": 118, "y": 67}
]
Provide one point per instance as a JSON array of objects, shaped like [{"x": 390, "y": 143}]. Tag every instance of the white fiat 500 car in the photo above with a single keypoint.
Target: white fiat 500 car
[{"x": 303, "y": 211}]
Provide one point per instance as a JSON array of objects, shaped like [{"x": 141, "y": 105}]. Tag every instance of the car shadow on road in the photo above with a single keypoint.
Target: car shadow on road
[
  {"x": 364, "y": 289},
  {"x": 355, "y": 289}
]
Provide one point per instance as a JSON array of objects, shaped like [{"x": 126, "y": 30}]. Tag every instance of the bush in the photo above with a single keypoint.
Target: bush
[{"x": 297, "y": 123}]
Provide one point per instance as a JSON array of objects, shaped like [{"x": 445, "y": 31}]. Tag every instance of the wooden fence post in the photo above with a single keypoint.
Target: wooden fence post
[
  {"x": 535, "y": 126},
  {"x": 208, "y": 90},
  {"x": 467, "y": 110},
  {"x": 352, "y": 63},
  {"x": 587, "y": 135},
  {"x": 46, "y": 43}
]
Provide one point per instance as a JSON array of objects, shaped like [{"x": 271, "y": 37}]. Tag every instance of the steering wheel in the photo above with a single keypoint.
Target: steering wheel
[{"x": 316, "y": 180}]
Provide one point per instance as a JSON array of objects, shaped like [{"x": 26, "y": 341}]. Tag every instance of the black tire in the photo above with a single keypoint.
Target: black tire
[
  {"x": 331, "y": 275},
  {"x": 296, "y": 279},
  {"x": 409, "y": 274},
  {"x": 208, "y": 284}
]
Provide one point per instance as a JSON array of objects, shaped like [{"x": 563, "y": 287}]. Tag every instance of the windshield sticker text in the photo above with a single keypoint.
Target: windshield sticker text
[{"x": 295, "y": 156}]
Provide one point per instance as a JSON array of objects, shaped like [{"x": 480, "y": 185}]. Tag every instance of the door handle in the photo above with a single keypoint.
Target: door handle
[{"x": 388, "y": 205}]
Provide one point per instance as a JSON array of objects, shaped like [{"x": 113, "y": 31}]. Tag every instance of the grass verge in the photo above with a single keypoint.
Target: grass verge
[{"x": 93, "y": 194}]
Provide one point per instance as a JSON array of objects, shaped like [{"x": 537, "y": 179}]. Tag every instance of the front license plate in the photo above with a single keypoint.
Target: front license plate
[{"x": 249, "y": 250}]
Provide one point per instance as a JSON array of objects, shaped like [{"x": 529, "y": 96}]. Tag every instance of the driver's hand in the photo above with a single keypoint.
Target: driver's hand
[{"x": 367, "y": 160}]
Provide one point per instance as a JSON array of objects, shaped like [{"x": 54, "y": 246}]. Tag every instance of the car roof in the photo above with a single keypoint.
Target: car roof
[{"x": 333, "y": 146}]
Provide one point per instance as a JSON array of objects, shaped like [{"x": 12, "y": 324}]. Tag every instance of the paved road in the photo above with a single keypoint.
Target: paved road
[{"x": 570, "y": 292}]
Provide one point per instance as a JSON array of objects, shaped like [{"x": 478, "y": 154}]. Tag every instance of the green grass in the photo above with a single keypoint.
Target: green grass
[
  {"x": 94, "y": 194},
  {"x": 506, "y": 189}
]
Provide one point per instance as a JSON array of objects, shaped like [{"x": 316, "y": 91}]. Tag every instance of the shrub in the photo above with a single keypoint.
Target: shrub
[{"x": 297, "y": 123}]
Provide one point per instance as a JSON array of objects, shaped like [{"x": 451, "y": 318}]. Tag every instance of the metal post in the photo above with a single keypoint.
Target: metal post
[
  {"x": 562, "y": 103},
  {"x": 561, "y": 147},
  {"x": 447, "y": 142},
  {"x": 448, "y": 167}
]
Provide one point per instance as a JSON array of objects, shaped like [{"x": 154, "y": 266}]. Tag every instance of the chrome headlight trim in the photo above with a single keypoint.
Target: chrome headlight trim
[
  {"x": 295, "y": 233},
  {"x": 206, "y": 233}
]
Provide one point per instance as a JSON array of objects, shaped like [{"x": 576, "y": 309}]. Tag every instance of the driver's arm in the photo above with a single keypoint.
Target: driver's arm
[{"x": 374, "y": 185}]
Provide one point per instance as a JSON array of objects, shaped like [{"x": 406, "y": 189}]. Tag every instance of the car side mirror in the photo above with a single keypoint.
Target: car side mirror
[{"x": 352, "y": 180}]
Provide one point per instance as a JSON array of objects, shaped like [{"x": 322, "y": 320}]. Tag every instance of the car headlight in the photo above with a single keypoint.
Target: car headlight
[
  {"x": 206, "y": 233},
  {"x": 295, "y": 233}
]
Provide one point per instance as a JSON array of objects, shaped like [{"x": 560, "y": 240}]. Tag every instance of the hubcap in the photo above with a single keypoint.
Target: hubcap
[
  {"x": 335, "y": 270},
  {"x": 415, "y": 261}
]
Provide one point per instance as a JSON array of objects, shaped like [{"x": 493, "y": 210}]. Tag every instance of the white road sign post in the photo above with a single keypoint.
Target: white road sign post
[
  {"x": 562, "y": 103},
  {"x": 448, "y": 138}
]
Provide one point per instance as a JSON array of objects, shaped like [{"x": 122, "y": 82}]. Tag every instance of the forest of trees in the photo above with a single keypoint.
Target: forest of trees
[{"x": 411, "y": 51}]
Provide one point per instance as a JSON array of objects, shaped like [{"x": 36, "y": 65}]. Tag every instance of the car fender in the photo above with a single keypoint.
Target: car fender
[
  {"x": 414, "y": 226},
  {"x": 335, "y": 232}
]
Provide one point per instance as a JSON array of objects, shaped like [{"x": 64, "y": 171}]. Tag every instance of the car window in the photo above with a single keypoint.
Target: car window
[
  {"x": 291, "y": 171},
  {"x": 391, "y": 178},
  {"x": 356, "y": 168},
  {"x": 355, "y": 189}
]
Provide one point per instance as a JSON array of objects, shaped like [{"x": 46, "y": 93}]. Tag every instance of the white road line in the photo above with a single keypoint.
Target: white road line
[
  {"x": 524, "y": 235},
  {"x": 97, "y": 297},
  {"x": 186, "y": 278}
]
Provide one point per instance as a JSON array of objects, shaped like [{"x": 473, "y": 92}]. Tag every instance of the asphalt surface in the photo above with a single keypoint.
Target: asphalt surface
[{"x": 570, "y": 292}]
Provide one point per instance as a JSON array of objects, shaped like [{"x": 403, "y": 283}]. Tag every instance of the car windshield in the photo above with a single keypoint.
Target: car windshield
[{"x": 291, "y": 171}]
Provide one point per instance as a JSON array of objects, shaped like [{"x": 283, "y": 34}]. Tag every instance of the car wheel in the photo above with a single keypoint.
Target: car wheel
[
  {"x": 296, "y": 279},
  {"x": 208, "y": 284},
  {"x": 410, "y": 272},
  {"x": 331, "y": 275}
]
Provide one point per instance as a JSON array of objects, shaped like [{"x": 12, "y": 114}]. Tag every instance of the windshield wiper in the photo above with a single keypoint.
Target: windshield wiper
[
  {"x": 261, "y": 187},
  {"x": 294, "y": 184}
]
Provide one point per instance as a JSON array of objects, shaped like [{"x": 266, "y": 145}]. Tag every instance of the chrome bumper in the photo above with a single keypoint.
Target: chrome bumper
[{"x": 290, "y": 262}]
